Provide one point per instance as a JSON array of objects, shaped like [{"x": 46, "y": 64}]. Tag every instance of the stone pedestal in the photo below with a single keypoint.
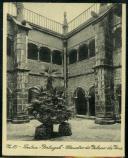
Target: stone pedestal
[{"x": 104, "y": 81}]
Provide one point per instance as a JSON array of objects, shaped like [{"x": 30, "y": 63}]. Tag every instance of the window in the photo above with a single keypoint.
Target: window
[
  {"x": 57, "y": 57},
  {"x": 117, "y": 38},
  {"x": 72, "y": 56},
  {"x": 32, "y": 51},
  {"x": 45, "y": 54},
  {"x": 92, "y": 48},
  {"x": 9, "y": 46},
  {"x": 83, "y": 52}
]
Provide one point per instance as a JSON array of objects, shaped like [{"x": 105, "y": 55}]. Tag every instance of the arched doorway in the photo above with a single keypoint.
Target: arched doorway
[
  {"x": 92, "y": 101},
  {"x": 80, "y": 101},
  {"x": 9, "y": 103}
]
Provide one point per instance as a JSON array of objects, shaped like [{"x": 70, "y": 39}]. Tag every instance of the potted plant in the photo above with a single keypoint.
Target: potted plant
[{"x": 49, "y": 107}]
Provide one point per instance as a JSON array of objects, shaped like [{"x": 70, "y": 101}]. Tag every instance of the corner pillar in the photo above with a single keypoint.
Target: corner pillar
[
  {"x": 20, "y": 98},
  {"x": 104, "y": 81}
]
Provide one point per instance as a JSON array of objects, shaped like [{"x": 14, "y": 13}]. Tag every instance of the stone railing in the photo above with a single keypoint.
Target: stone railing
[
  {"x": 50, "y": 24},
  {"x": 84, "y": 16},
  {"x": 36, "y": 19},
  {"x": 42, "y": 21}
]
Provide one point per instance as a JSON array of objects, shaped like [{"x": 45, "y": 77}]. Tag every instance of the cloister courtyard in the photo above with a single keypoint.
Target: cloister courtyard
[{"x": 82, "y": 130}]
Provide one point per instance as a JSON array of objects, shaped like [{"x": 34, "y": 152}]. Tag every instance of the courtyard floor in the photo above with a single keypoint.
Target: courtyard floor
[{"x": 82, "y": 130}]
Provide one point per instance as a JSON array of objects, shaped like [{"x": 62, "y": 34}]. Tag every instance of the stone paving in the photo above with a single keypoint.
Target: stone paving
[{"x": 82, "y": 130}]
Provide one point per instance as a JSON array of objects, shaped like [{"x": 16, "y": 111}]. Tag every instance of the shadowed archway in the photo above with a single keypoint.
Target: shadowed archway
[
  {"x": 92, "y": 101},
  {"x": 80, "y": 101}
]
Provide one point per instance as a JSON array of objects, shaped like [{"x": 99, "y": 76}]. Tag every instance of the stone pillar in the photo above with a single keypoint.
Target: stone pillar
[
  {"x": 88, "y": 111},
  {"x": 20, "y": 98},
  {"x": 65, "y": 64},
  {"x": 104, "y": 81},
  {"x": 38, "y": 53},
  {"x": 117, "y": 95}
]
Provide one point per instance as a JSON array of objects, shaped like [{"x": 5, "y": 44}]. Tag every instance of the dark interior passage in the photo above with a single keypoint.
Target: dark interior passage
[
  {"x": 80, "y": 102},
  {"x": 92, "y": 101}
]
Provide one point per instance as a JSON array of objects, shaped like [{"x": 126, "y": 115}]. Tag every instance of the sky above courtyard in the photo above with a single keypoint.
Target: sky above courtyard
[{"x": 56, "y": 11}]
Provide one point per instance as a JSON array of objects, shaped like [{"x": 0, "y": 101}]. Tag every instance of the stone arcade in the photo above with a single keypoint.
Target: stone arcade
[{"x": 86, "y": 50}]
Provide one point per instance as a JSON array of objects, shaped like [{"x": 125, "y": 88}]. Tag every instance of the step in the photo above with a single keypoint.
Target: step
[{"x": 86, "y": 117}]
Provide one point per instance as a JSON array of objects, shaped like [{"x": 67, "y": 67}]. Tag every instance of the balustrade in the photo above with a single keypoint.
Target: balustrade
[
  {"x": 50, "y": 24},
  {"x": 84, "y": 16},
  {"x": 36, "y": 19}
]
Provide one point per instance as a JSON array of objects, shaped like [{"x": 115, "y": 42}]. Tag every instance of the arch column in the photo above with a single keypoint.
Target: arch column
[
  {"x": 38, "y": 52},
  {"x": 88, "y": 110}
]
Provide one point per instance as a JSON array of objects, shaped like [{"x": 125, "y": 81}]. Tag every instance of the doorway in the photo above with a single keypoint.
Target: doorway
[
  {"x": 80, "y": 101},
  {"x": 92, "y": 101}
]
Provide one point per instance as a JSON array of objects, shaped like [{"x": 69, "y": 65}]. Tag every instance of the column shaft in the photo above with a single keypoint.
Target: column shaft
[{"x": 104, "y": 81}]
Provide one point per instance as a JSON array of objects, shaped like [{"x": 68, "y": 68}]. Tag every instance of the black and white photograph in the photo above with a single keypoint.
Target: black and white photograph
[{"x": 64, "y": 72}]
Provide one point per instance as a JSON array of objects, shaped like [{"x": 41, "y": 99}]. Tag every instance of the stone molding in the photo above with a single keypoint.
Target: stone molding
[{"x": 78, "y": 75}]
